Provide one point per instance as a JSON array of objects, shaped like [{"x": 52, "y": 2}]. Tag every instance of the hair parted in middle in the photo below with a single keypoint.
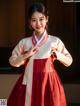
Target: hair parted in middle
[{"x": 37, "y": 7}]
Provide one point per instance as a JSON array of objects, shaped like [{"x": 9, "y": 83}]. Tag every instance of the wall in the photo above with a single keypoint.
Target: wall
[{"x": 12, "y": 22}]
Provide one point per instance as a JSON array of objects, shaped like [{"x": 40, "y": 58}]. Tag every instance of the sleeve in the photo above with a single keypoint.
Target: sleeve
[
  {"x": 62, "y": 54},
  {"x": 16, "y": 58}
]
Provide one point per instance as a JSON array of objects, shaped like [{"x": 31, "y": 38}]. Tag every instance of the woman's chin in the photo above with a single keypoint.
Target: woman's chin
[{"x": 40, "y": 31}]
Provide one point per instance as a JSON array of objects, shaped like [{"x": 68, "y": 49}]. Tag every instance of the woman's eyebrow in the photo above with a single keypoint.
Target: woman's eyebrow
[{"x": 38, "y": 17}]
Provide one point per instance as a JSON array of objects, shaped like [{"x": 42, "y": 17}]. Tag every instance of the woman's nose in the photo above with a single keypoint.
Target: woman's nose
[{"x": 38, "y": 23}]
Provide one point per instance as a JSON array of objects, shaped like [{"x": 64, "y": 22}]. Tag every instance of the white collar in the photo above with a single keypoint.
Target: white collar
[{"x": 39, "y": 40}]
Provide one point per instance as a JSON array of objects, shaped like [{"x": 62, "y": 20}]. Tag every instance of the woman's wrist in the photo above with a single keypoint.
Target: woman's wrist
[
  {"x": 25, "y": 56},
  {"x": 54, "y": 55}
]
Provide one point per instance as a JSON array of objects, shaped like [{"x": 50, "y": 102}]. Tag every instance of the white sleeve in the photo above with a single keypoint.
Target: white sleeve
[
  {"x": 16, "y": 58},
  {"x": 62, "y": 54}
]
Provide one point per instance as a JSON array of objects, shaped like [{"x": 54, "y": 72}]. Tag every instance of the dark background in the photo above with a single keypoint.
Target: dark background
[{"x": 64, "y": 22}]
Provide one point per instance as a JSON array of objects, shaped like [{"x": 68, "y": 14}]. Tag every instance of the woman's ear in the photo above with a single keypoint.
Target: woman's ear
[
  {"x": 30, "y": 27},
  {"x": 47, "y": 18}
]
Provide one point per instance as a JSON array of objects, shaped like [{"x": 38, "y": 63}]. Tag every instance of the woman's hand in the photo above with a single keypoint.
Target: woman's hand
[
  {"x": 30, "y": 53},
  {"x": 53, "y": 52}
]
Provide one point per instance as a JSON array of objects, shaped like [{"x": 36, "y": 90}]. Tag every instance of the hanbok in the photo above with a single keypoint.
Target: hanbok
[{"x": 39, "y": 84}]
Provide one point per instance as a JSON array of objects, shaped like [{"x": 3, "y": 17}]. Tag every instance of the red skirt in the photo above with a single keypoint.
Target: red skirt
[
  {"x": 17, "y": 96},
  {"x": 47, "y": 89}
]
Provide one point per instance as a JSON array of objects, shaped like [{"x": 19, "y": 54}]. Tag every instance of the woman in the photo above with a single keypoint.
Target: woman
[{"x": 39, "y": 85}]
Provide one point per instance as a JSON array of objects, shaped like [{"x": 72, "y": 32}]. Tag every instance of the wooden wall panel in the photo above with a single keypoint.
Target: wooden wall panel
[{"x": 12, "y": 18}]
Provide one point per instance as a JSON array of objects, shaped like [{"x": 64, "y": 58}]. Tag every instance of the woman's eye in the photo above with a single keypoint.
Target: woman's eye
[
  {"x": 41, "y": 19},
  {"x": 33, "y": 20}
]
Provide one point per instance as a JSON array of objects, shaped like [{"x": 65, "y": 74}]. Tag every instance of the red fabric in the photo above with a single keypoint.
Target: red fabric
[
  {"x": 17, "y": 96},
  {"x": 47, "y": 89}
]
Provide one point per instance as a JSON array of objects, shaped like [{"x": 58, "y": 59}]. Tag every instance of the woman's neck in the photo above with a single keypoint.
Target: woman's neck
[{"x": 39, "y": 35}]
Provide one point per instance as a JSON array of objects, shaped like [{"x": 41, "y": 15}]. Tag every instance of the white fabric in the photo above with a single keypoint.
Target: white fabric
[{"x": 28, "y": 80}]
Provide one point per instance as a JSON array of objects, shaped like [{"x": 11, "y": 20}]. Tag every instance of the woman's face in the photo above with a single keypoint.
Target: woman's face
[{"x": 38, "y": 22}]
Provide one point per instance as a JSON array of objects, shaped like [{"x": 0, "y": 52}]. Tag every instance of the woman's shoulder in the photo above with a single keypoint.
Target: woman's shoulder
[
  {"x": 26, "y": 39},
  {"x": 56, "y": 39},
  {"x": 52, "y": 37}
]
